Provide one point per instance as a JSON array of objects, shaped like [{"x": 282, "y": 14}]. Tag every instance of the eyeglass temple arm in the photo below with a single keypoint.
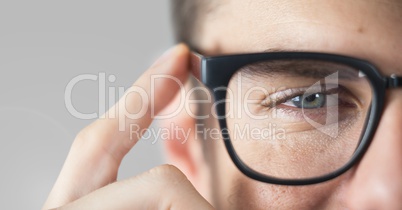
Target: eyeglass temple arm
[{"x": 394, "y": 81}]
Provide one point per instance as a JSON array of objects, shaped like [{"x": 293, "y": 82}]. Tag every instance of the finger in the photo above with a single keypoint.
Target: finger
[
  {"x": 97, "y": 151},
  {"x": 164, "y": 187}
]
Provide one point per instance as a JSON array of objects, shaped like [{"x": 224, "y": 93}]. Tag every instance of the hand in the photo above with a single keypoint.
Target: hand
[{"x": 88, "y": 178}]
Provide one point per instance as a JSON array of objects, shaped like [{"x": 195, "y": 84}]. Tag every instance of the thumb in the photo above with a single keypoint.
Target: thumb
[{"x": 163, "y": 187}]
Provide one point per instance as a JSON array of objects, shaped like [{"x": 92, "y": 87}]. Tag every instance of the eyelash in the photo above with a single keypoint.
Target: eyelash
[{"x": 278, "y": 98}]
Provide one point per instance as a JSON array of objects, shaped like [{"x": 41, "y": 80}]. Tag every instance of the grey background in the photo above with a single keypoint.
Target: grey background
[{"x": 43, "y": 45}]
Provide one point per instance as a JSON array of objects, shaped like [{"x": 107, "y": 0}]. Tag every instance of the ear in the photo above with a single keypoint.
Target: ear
[{"x": 183, "y": 148}]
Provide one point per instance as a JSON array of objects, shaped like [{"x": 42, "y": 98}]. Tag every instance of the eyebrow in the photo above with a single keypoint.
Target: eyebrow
[
  {"x": 351, "y": 73},
  {"x": 300, "y": 68},
  {"x": 281, "y": 50}
]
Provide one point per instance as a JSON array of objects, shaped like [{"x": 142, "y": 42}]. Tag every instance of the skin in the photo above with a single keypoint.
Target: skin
[
  {"x": 88, "y": 177},
  {"x": 370, "y": 30}
]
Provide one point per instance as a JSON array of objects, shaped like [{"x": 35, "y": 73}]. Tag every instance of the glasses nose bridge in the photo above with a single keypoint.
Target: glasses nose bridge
[{"x": 393, "y": 81}]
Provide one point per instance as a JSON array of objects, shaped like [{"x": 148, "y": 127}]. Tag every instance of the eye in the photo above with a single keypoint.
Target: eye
[{"x": 311, "y": 101}]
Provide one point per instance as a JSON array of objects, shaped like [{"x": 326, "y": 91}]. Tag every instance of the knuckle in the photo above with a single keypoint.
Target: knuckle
[
  {"x": 165, "y": 177},
  {"x": 167, "y": 172},
  {"x": 81, "y": 137},
  {"x": 161, "y": 185},
  {"x": 85, "y": 136}
]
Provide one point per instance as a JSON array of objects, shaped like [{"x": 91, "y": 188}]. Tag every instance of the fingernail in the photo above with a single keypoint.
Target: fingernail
[{"x": 164, "y": 57}]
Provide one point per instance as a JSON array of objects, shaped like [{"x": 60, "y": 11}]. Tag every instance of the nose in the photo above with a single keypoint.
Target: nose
[{"x": 376, "y": 182}]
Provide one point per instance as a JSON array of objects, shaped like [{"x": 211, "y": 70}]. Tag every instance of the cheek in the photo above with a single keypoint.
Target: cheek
[
  {"x": 266, "y": 196},
  {"x": 248, "y": 194},
  {"x": 233, "y": 190}
]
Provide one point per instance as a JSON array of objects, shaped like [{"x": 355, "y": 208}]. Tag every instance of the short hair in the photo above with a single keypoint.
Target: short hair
[{"x": 186, "y": 15}]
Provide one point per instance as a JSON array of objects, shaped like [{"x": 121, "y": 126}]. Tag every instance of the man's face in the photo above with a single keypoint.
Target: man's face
[{"x": 370, "y": 30}]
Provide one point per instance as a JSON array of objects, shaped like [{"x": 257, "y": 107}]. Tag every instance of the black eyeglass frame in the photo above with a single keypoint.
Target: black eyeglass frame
[{"x": 215, "y": 73}]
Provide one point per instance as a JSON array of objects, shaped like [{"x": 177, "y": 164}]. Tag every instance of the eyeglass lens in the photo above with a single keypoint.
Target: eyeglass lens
[{"x": 295, "y": 119}]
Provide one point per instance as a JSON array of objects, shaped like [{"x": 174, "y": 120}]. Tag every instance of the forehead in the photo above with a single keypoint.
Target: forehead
[{"x": 360, "y": 28}]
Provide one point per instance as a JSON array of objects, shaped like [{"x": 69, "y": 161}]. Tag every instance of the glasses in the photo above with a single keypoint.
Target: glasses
[{"x": 294, "y": 118}]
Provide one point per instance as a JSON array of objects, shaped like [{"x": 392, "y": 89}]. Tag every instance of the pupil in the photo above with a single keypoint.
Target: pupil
[
  {"x": 311, "y": 98},
  {"x": 312, "y": 101}
]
